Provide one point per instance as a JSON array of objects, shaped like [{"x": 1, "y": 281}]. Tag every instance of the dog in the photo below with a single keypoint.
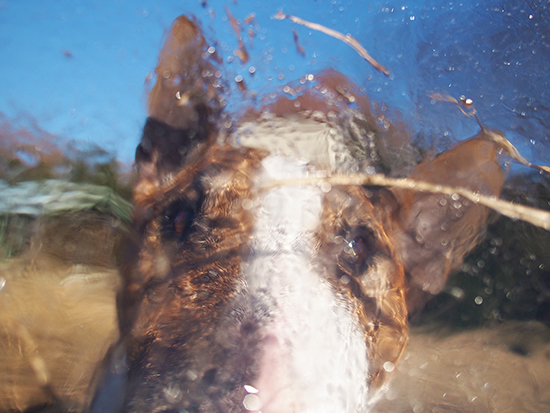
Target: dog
[{"x": 247, "y": 289}]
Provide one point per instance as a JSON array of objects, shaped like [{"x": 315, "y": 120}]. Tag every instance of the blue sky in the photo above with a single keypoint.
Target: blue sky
[{"x": 79, "y": 67}]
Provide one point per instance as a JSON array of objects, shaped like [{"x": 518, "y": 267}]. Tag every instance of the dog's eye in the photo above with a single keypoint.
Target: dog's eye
[
  {"x": 358, "y": 248},
  {"x": 183, "y": 220},
  {"x": 179, "y": 216}
]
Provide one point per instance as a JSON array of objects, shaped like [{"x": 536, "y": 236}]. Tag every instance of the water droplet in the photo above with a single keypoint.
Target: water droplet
[
  {"x": 172, "y": 393},
  {"x": 389, "y": 366},
  {"x": 191, "y": 375},
  {"x": 457, "y": 292},
  {"x": 250, "y": 389},
  {"x": 338, "y": 239},
  {"x": 478, "y": 300},
  {"x": 326, "y": 187},
  {"x": 251, "y": 402}
]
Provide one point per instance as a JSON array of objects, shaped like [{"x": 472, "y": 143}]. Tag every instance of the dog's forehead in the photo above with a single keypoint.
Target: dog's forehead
[
  {"x": 331, "y": 142},
  {"x": 302, "y": 138},
  {"x": 237, "y": 161}
]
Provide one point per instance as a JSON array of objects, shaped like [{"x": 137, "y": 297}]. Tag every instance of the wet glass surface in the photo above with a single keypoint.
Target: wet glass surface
[{"x": 75, "y": 76}]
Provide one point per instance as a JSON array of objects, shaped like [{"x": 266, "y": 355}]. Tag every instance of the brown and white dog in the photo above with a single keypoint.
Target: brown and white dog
[{"x": 244, "y": 295}]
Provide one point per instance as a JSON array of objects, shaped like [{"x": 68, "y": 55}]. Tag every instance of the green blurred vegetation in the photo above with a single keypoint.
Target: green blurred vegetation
[
  {"x": 94, "y": 168},
  {"x": 14, "y": 234},
  {"x": 29, "y": 154}
]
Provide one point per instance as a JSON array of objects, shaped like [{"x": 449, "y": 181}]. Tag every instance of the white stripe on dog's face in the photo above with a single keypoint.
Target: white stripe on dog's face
[{"x": 313, "y": 354}]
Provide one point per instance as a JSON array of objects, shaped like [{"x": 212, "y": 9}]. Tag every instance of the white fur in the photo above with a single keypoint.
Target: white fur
[{"x": 314, "y": 356}]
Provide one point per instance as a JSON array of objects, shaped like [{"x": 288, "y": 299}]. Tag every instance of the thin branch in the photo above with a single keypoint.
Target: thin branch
[
  {"x": 346, "y": 39},
  {"x": 537, "y": 217},
  {"x": 241, "y": 51}
]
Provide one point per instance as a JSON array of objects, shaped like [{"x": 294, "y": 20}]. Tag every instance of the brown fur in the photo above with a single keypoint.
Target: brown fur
[{"x": 177, "y": 308}]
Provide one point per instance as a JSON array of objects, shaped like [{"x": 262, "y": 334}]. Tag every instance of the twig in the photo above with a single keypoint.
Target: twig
[
  {"x": 537, "y": 217},
  {"x": 346, "y": 39},
  {"x": 241, "y": 51}
]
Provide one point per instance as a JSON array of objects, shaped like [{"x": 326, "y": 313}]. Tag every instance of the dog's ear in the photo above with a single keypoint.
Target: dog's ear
[
  {"x": 184, "y": 105},
  {"x": 436, "y": 231}
]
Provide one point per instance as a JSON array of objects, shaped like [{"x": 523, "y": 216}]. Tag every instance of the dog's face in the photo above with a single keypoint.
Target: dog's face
[{"x": 246, "y": 290}]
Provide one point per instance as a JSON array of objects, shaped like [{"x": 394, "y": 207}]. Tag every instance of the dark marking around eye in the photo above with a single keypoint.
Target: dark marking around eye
[{"x": 179, "y": 216}]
